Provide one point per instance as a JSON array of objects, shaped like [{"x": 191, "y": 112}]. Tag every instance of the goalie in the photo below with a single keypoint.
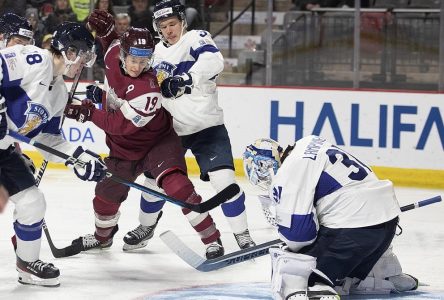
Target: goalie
[{"x": 335, "y": 216}]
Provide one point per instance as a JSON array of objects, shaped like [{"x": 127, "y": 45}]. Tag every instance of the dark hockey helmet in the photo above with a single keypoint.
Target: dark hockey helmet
[
  {"x": 15, "y": 25},
  {"x": 137, "y": 42},
  {"x": 75, "y": 42},
  {"x": 166, "y": 9}
]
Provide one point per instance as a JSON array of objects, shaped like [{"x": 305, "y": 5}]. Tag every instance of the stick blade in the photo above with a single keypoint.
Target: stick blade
[{"x": 183, "y": 251}]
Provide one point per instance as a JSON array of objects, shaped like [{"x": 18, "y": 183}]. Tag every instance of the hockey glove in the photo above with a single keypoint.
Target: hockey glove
[
  {"x": 29, "y": 163},
  {"x": 89, "y": 166},
  {"x": 3, "y": 121},
  {"x": 101, "y": 22},
  {"x": 94, "y": 93},
  {"x": 81, "y": 113},
  {"x": 176, "y": 86}
]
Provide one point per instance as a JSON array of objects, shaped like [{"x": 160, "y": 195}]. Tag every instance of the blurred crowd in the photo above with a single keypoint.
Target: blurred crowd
[{"x": 45, "y": 15}]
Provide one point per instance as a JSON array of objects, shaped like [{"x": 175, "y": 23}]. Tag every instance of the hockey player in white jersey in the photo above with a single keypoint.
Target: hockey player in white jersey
[
  {"x": 336, "y": 217},
  {"x": 33, "y": 96},
  {"x": 187, "y": 64}
]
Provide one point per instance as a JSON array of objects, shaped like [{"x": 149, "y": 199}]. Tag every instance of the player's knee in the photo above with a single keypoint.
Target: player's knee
[
  {"x": 220, "y": 179},
  {"x": 177, "y": 185},
  {"x": 151, "y": 184},
  {"x": 30, "y": 206}
]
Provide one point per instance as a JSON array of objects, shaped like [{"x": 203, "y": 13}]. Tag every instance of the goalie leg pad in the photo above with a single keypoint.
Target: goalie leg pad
[
  {"x": 386, "y": 276},
  {"x": 290, "y": 273}
]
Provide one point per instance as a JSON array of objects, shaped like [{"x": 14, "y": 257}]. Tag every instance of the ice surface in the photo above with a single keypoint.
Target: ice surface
[{"x": 156, "y": 273}]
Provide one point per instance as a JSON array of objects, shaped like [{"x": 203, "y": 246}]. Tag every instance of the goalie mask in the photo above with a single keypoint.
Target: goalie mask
[
  {"x": 261, "y": 161},
  {"x": 12, "y": 25},
  {"x": 76, "y": 44},
  {"x": 166, "y": 9},
  {"x": 139, "y": 44}
]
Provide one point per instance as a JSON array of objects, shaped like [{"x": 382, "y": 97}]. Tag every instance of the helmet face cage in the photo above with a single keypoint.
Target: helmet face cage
[
  {"x": 261, "y": 161},
  {"x": 166, "y": 9},
  {"x": 137, "y": 42},
  {"x": 13, "y": 25},
  {"x": 75, "y": 43}
]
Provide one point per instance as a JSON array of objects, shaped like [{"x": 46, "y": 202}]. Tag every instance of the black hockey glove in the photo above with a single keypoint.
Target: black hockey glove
[
  {"x": 29, "y": 163},
  {"x": 94, "y": 93},
  {"x": 176, "y": 86},
  {"x": 90, "y": 168},
  {"x": 3, "y": 121}
]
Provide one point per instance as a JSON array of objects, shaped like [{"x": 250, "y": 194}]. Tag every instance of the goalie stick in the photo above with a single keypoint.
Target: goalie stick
[{"x": 206, "y": 265}]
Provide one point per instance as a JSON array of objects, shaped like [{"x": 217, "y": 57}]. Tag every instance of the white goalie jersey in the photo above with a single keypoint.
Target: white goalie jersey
[
  {"x": 197, "y": 54},
  {"x": 35, "y": 100},
  {"x": 321, "y": 184}
]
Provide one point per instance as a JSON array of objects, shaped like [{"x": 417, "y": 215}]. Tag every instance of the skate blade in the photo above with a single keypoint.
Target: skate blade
[
  {"x": 128, "y": 247},
  {"x": 26, "y": 278}
]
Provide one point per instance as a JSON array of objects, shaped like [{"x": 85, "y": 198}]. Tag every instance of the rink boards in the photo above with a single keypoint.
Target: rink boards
[{"x": 400, "y": 134}]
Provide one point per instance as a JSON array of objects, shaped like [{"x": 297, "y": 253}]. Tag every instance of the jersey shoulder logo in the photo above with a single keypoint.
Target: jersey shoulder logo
[{"x": 36, "y": 115}]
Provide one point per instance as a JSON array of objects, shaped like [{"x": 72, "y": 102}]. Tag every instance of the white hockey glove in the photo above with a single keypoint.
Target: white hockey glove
[
  {"x": 176, "y": 86},
  {"x": 3, "y": 121},
  {"x": 90, "y": 167}
]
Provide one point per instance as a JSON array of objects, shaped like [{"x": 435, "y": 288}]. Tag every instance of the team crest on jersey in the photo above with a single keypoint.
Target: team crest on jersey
[
  {"x": 36, "y": 115},
  {"x": 164, "y": 70},
  {"x": 277, "y": 193}
]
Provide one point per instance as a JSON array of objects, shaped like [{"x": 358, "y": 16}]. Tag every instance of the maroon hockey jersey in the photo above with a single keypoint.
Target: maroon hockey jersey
[{"x": 132, "y": 115}]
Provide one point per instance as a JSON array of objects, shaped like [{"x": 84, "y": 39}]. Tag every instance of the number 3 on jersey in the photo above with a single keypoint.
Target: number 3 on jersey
[{"x": 358, "y": 174}]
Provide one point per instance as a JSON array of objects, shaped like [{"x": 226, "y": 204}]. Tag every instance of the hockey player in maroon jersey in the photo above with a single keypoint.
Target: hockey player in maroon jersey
[{"x": 139, "y": 134}]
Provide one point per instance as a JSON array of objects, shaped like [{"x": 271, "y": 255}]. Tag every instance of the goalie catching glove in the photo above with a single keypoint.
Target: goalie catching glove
[
  {"x": 81, "y": 113},
  {"x": 176, "y": 86},
  {"x": 87, "y": 165},
  {"x": 101, "y": 22}
]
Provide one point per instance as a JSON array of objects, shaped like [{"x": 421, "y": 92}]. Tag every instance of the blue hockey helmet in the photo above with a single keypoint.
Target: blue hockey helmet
[
  {"x": 14, "y": 25},
  {"x": 261, "y": 161},
  {"x": 75, "y": 43}
]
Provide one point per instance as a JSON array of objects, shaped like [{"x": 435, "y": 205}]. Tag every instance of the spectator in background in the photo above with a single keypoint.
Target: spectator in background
[
  {"x": 81, "y": 8},
  {"x": 194, "y": 20},
  {"x": 13, "y": 6},
  {"x": 38, "y": 28},
  {"x": 46, "y": 41},
  {"x": 122, "y": 23},
  {"x": 105, "y": 5},
  {"x": 141, "y": 15},
  {"x": 45, "y": 11},
  {"x": 62, "y": 12}
]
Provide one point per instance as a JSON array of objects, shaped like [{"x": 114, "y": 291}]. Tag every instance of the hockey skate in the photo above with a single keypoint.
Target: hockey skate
[
  {"x": 244, "y": 239},
  {"x": 89, "y": 241},
  {"x": 317, "y": 292},
  {"x": 37, "y": 273},
  {"x": 139, "y": 237},
  {"x": 214, "y": 249}
]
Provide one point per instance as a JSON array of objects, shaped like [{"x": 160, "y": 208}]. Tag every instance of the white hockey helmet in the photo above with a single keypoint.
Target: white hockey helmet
[{"x": 261, "y": 161}]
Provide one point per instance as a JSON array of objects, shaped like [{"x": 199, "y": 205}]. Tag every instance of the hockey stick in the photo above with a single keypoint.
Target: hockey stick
[
  {"x": 206, "y": 265},
  {"x": 226, "y": 194},
  {"x": 55, "y": 251}
]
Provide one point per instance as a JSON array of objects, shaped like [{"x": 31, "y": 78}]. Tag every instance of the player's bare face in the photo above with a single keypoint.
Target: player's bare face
[
  {"x": 17, "y": 40},
  {"x": 171, "y": 29},
  {"x": 135, "y": 65}
]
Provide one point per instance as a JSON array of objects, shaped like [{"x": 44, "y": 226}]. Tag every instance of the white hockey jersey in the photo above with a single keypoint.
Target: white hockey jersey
[
  {"x": 197, "y": 54},
  {"x": 35, "y": 100},
  {"x": 321, "y": 184}
]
